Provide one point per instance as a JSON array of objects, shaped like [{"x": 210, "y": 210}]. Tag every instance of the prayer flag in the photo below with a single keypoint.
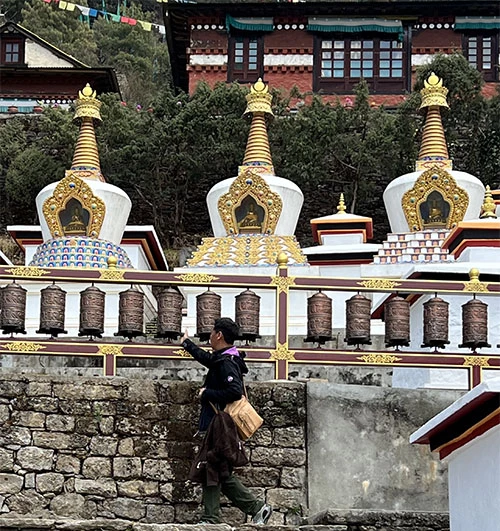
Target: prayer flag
[
  {"x": 63, "y": 4},
  {"x": 70, "y": 6},
  {"x": 93, "y": 12},
  {"x": 145, "y": 25}
]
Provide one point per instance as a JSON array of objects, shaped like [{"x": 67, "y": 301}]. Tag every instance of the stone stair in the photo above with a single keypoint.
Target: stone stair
[{"x": 331, "y": 520}]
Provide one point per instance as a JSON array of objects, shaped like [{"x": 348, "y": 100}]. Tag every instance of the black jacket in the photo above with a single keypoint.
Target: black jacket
[
  {"x": 223, "y": 382},
  {"x": 220, "y": 452}
]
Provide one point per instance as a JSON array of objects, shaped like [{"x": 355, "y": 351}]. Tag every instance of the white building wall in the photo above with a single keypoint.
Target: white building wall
[{"x": 37, "y": 56}]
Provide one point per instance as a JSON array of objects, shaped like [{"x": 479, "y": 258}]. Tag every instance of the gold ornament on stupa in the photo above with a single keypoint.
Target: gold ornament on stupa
[
  {"x": 489, "y": 206},
  {"x": 341, "y": 206},
  {"x": 258, "y": 153},
  {"x": 433, "y": 150},
  {"x": 86, "y": 162}
]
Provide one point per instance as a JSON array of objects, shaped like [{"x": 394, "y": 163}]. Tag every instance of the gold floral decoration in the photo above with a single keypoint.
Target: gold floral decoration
[
  {"x": 474, "y": 285},
  {"x": 72, "y": 187},
  {"x": 379, "y": 283},
  {"x": 197, "y": 278},
  {"x": 282, "y": 353},
  {"x": 283, "y": 283},
  {"x": 379, "y": 358},
  {"x": 183, "y": 353},
  {"x": 439, "y": 180},
  {"x": 476, "y": 361},
  {"x": 28, "y": 271},
  {"x": 250, "y": 183},
  {"x": 111, "y": 274},
  {"x": 23, "y": 346},
  {"x": 113, "y": 350}
]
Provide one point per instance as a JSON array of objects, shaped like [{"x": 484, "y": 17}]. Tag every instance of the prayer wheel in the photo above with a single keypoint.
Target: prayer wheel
[
  {"x": 1, "y": 301},
  {"x": 397, "y": 322},
  {"x": 247, "y": 314},
  {"x": 12, "y": 318},
  {"x": 92, "y": 312},
  {"x": 435, "y": 323},
  {"x": 358, "y": 320},
  {"x": 474, "y": 325},
  {"x": 131, "y": 313},
  {"x": 52, "y": 311},
  {"x": 319, "y": 318},
  {"x": 208, "y": 309},
  {"x": 169, "y": 313}
]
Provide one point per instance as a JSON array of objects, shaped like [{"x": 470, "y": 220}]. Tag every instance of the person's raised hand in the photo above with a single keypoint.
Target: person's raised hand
[{"x": 185, "y": 336}]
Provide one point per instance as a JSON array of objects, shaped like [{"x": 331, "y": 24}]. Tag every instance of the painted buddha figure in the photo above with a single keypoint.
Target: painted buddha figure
[
  {"x": 76, "y": 226},
  {"x": 435, "y": 210},
  {"x": 250, "y": 222}
]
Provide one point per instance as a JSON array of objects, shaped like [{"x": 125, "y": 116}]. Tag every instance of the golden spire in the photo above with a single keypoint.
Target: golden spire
[
  {"x": 489, "y": 206},
  {"x": 86, "y": 155},
  {"x": 433, "y": 150},
  {"x": 341, "y": 205},
  {"x": 257, "y": 153}
]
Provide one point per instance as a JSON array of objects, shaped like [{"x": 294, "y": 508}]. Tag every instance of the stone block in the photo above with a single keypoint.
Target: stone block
[
  {"x": 107, "y": 425},
  {"x": 6, "y": 460},
  {"x": 30, "y": 419},
  {"x": 75, "y": 407},
  {"x": 11, "y": 483},
  {"x": 87, "y": 425},
  {"x": 96, "y": 467},
  {"x": 39, "y": 389},
  {"x": 293, "y": 478},
  {"x": 60, "y": 423},
  {"x": 100, "y": 445},
  {"x": 88, "y": 391},
  {"x": 127, "y": 508},
  {"x": 60, "y": 441},
  {"x": 29, "y": 480},
  {"x": 14, "y": 436},
  {"x": 262, "y": 437},
  {"x": 187, "y": 513},
  {"x": 49, "y": 482},
  {"x": 34, "y": 458},
  {"x": 127, "y": 467},
  {"x": 259, "y": 476},
  {"x": 286, "y": 498},
  {"x": 157, "y": 469},
  {"x": 4, "y": 413},
  {"x": 278, "y": 457},
  {"x": 68, "y": 504},
  {"x": 27, "y": 502},
  {"x": 167, "y": 491},
  {"x": 159, "y": 514},
  {"x": 126, "y": 447},
  {"x": 45, "y": 404},
  {"x": 290, "y": 437},
  {"x": 137, "y": 488},
  {"x": 100, "y": 487},
  {"x": 132, "y": 426},
  {"x": 176, "y": 392},
  {"x": 67, "y": 464},
  {"x": 12, "y": 388},
  {"x": 104, "y": 408}
]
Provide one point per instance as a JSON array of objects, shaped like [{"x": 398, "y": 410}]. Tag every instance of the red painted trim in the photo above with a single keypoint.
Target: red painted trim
[
  {"x": 109, "y": 365},
  {"x": 472, "y": 243}
]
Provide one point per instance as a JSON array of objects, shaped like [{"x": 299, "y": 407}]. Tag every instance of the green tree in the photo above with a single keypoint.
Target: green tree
[{"x": 62, "y": 29}]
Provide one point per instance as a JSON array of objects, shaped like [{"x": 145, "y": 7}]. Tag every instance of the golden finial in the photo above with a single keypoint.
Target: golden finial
[
  {"x": 282, "y": 259},
  {"x": 489, "y": 206},
  {"x": 112, "y": 261},
  {"x": 341, "y": 206},
  {"x": 258, "y": 153},
  {"x": 433, "y": 149},
  {"x": 86, "y": 155},
  {"x": 474, "y": 275}
]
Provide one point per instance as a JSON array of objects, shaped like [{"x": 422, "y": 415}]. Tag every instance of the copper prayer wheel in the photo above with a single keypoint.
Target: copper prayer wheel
[
  {"x": 397, "y": 322},
  {"x": 52, "y": 311},
  {"x": 319, "y": 318},
  {"x": 1, "y": 301},
  {"x": 474, "y": 324},
  {"x": 92, "y": 312},
  {"x": 169, "y": 313},
  {"x": 435, "y": 323},
  {"x": 247, "y": 314},
  {"x": 358, "y": 320},
  {"x": 131, "y": 313},
  {"x": 13, "y": 312},
  {"x": 208, "y": 310}
]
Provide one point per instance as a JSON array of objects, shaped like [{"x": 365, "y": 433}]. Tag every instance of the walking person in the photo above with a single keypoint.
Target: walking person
[{"x": 223, "y": 384}]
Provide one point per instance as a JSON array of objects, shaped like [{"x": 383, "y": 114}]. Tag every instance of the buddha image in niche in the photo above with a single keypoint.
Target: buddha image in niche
[
  {"x": 249, "y": 216},
  {"x": 435, "y": 210},
  {"x": 74, "y": 218}
]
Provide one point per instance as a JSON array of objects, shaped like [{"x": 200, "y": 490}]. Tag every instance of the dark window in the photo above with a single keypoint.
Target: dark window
[
  {"x": 245, "y": 59},
  {"x": 12, "y": 51},
  {"x": 341, "y": 62},
  {"x": 481, "y": 51}
]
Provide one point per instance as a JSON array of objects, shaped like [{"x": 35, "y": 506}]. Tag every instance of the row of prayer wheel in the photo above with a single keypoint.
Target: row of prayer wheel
[{"x": 247, "y": 312}]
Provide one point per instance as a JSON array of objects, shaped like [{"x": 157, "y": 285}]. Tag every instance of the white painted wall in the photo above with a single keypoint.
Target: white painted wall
[
  {"x": 474, "y": 484},
  {"x": 36, "y": 56}
]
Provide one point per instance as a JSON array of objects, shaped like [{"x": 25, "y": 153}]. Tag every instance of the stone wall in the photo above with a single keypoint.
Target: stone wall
[{"x": 118, "y": 448}]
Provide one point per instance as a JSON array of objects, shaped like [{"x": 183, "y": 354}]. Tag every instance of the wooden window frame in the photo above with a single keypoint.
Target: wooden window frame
[
  {"x": 491, "y": 73},
  {"x": 245, "y": 75},
  {"x": 355, "y": 59},
  {"x": 8, "y": 40}
]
